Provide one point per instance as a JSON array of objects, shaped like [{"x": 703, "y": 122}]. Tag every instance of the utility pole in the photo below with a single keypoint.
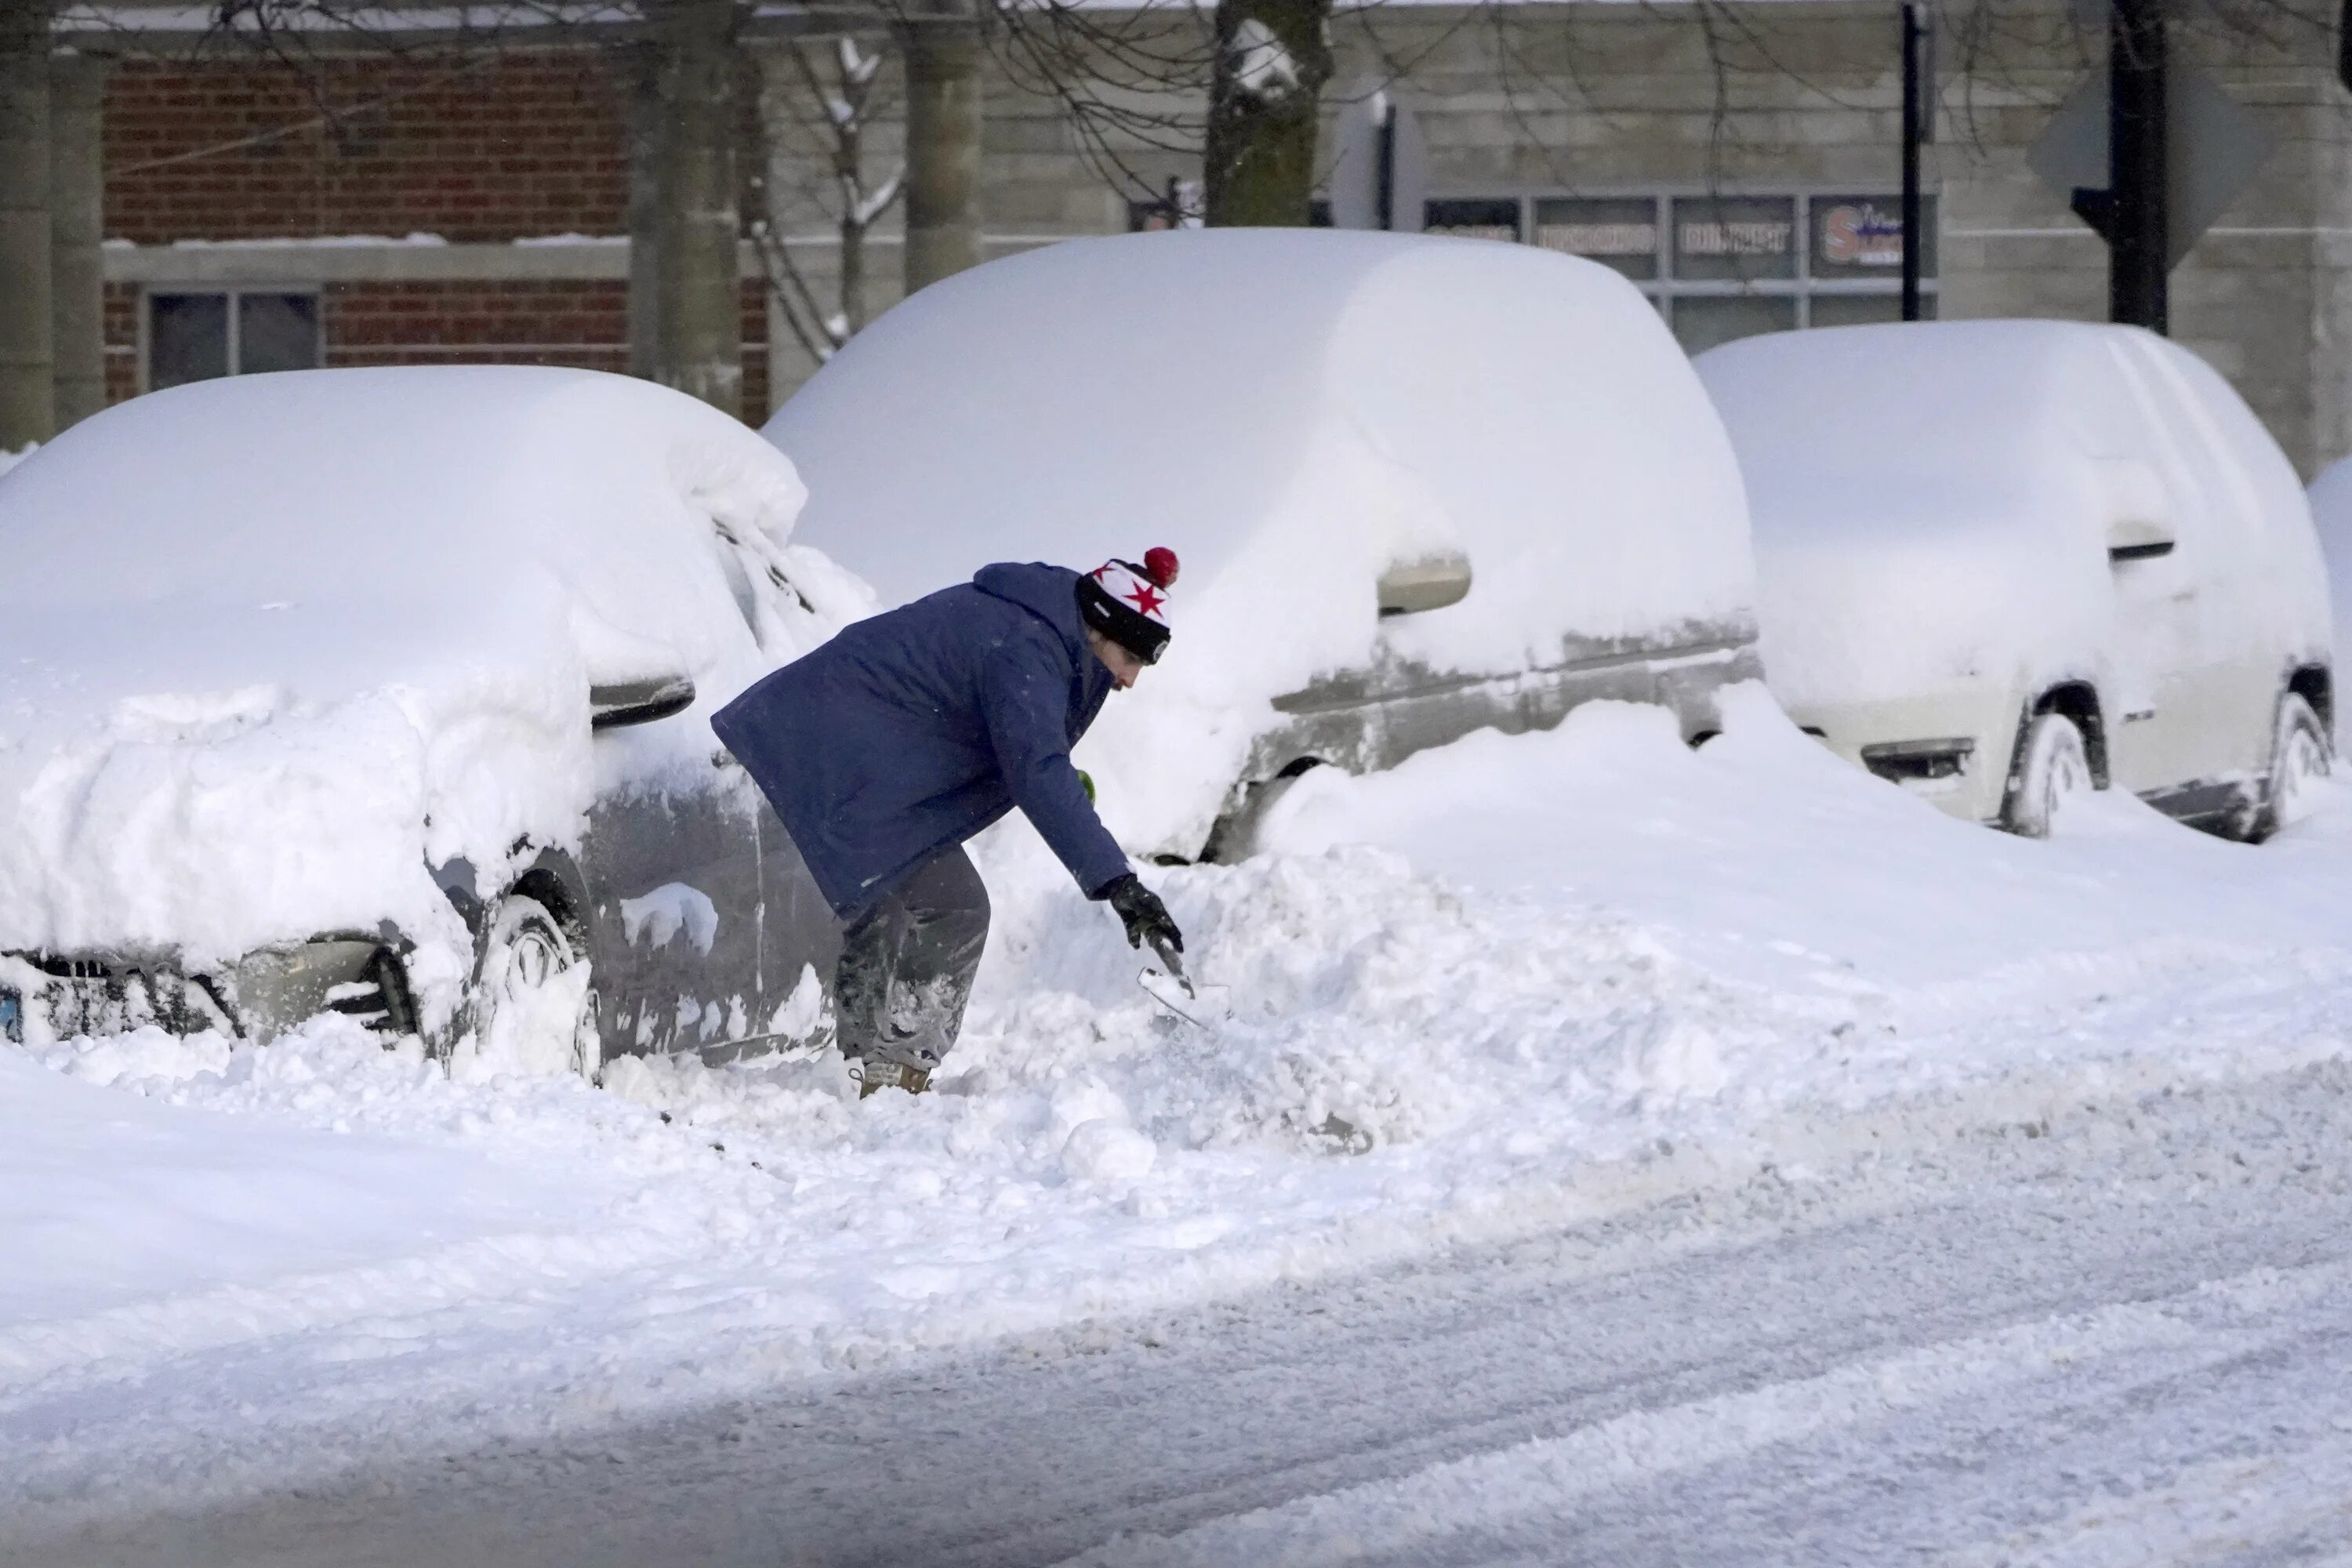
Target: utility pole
[
  {"x": 2138, "y": 228},
  {"x": 1919, "y": 127}
]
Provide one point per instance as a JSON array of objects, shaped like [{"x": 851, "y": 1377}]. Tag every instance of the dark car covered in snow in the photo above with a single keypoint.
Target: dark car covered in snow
[{"x": 387, "y": 692}]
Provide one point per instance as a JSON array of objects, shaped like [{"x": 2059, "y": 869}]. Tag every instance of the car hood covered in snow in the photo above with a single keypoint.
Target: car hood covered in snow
[
  {"x": 1293, "y": 413},
  {"x": 270, "y": 645}
]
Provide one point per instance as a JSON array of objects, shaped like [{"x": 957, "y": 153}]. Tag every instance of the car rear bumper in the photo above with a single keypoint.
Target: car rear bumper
[
  {"x": 46, "y": 997},
  {"x": 1951, "y": 748}
]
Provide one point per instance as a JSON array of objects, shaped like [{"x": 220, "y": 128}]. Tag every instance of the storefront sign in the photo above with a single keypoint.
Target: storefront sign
[
  {"x": 1597, "y": 239},
  {"x": 1710, "y": 236},
  {"x": 1861, "y": 234}
]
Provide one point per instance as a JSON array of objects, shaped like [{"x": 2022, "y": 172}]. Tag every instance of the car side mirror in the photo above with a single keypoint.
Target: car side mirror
[
  {"x": 1408, "y": 587},
  {"x": 638, "y": 701}
]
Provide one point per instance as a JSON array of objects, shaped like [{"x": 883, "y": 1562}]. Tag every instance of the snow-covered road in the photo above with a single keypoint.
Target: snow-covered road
[
  {"x": 2117, "y": 1333},
  {"x": 1623, "y": 1155}
]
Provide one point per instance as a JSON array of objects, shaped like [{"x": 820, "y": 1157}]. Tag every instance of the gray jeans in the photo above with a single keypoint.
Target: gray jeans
[{"x": 907, "y": 966}]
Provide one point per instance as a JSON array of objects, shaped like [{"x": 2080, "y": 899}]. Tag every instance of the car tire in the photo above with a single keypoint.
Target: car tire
[
  {"x": 525, "y": 971},
  {"x": 2053, "y": 766},
  {"x": 2300, "y": 754}
]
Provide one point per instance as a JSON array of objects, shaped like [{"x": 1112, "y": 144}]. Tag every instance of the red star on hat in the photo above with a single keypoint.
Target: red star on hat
[{"x": 1145, "y": 600}]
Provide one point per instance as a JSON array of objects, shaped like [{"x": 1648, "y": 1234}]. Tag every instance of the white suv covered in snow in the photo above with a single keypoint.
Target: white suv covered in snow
[
  {"x": 2000, "y": 560},
  {"x": 1418, "y": 486}
]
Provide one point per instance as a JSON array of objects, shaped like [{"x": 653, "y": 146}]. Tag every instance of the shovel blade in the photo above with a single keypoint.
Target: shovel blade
[{"x": 1202, "y": 1006}]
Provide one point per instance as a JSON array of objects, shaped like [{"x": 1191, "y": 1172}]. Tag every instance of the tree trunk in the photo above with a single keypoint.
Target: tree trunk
[
  {"x": 696, "y": 263},
  {"x": 1264, "y": 93},
  {"x": 27, "y": 393},
  {"x": 76, "y": 227},
  {"x": 649, "y": 214},
  {"x": 939, "y": 42}
]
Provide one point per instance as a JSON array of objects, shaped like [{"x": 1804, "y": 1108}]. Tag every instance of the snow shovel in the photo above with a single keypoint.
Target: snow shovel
[{"x": 1202, "y": 1006}]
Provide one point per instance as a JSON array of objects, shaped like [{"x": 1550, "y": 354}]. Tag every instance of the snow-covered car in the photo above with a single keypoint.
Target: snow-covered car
[
  {"x": 2331, "y": 513},
  {"x": 386, "y": 691},
  {"x": 1999, "y": 561},
  {"x": 1418, "y": 486}
]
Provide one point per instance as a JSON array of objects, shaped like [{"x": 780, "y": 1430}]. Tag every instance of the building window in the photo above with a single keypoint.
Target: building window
[
  {"x": 1721, "y": 267},
  {"x": 195, "y": 336},
  {"x": 1474, "y": 217}
]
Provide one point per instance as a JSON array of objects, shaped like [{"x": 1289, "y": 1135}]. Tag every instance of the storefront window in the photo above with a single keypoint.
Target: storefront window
[
  {"x": 1723, "y": 267},
  {"x": 1619, "y": 233},
  {"x": 1862, "y": 236},
  {"x": 1734, "y": 239},
  {"x": 1861, "y": 310},
  {"x": 1703, "y": 321},
  {"x": 1475, "y": 217}
]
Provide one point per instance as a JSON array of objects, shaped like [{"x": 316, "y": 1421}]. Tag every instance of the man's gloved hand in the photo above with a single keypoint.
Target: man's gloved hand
[{"x": 1141, "y": 911}]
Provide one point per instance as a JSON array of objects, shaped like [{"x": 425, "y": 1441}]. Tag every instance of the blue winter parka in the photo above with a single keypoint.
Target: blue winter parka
[{"x": 910, "y": 731}]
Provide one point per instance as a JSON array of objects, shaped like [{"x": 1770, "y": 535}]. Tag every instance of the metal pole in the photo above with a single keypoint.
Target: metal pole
[
  {"x": 1915, "y": 112},
  {"x": 1388, "y": 162},
  {"x": 2139, "y": 237}
]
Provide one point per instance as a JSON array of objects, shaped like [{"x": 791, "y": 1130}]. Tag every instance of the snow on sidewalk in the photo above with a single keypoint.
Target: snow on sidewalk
[{"x": 1520, "y": 979}]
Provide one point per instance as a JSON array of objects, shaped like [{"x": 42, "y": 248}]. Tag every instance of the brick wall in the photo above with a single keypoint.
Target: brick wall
[
  {"x": 521, "y": 321},
  {"x": 483, "y": 148},
  {"x": 516, "y": 322}
]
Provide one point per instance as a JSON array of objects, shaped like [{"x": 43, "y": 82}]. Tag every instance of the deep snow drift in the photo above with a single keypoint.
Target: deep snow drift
[{"x": 1585, "y": 964}]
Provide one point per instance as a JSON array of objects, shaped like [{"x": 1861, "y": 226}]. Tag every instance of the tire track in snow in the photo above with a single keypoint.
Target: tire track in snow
[{"x": 1979, "y": 1256}]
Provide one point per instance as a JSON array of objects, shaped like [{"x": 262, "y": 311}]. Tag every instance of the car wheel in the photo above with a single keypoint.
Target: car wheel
[
  {"x": 2300, "y": 757},
  {"x": 2054, "y": 767},
  {"x": 532, "y": 1002}
]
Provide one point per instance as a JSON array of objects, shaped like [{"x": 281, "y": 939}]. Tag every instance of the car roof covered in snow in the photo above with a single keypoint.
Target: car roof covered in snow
[
  {"x": 1933, "y": 500},
  {"x": 1293, "y": 412}
]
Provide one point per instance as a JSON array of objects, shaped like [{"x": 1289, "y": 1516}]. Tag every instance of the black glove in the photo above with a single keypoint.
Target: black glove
[{"x": 1141, "y": 911}]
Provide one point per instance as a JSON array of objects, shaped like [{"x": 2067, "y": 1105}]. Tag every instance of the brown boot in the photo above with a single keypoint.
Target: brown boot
[{"x": 873, "y": 1075}]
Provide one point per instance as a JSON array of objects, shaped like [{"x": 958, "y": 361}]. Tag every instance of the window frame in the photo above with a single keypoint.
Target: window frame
[
  {"x": 233, "y": 293},
  {"x": 1664, "y": 287}
]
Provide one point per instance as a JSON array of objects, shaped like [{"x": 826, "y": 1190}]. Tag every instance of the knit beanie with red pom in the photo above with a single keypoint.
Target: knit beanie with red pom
[{"x": 1128, "y": 604}]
